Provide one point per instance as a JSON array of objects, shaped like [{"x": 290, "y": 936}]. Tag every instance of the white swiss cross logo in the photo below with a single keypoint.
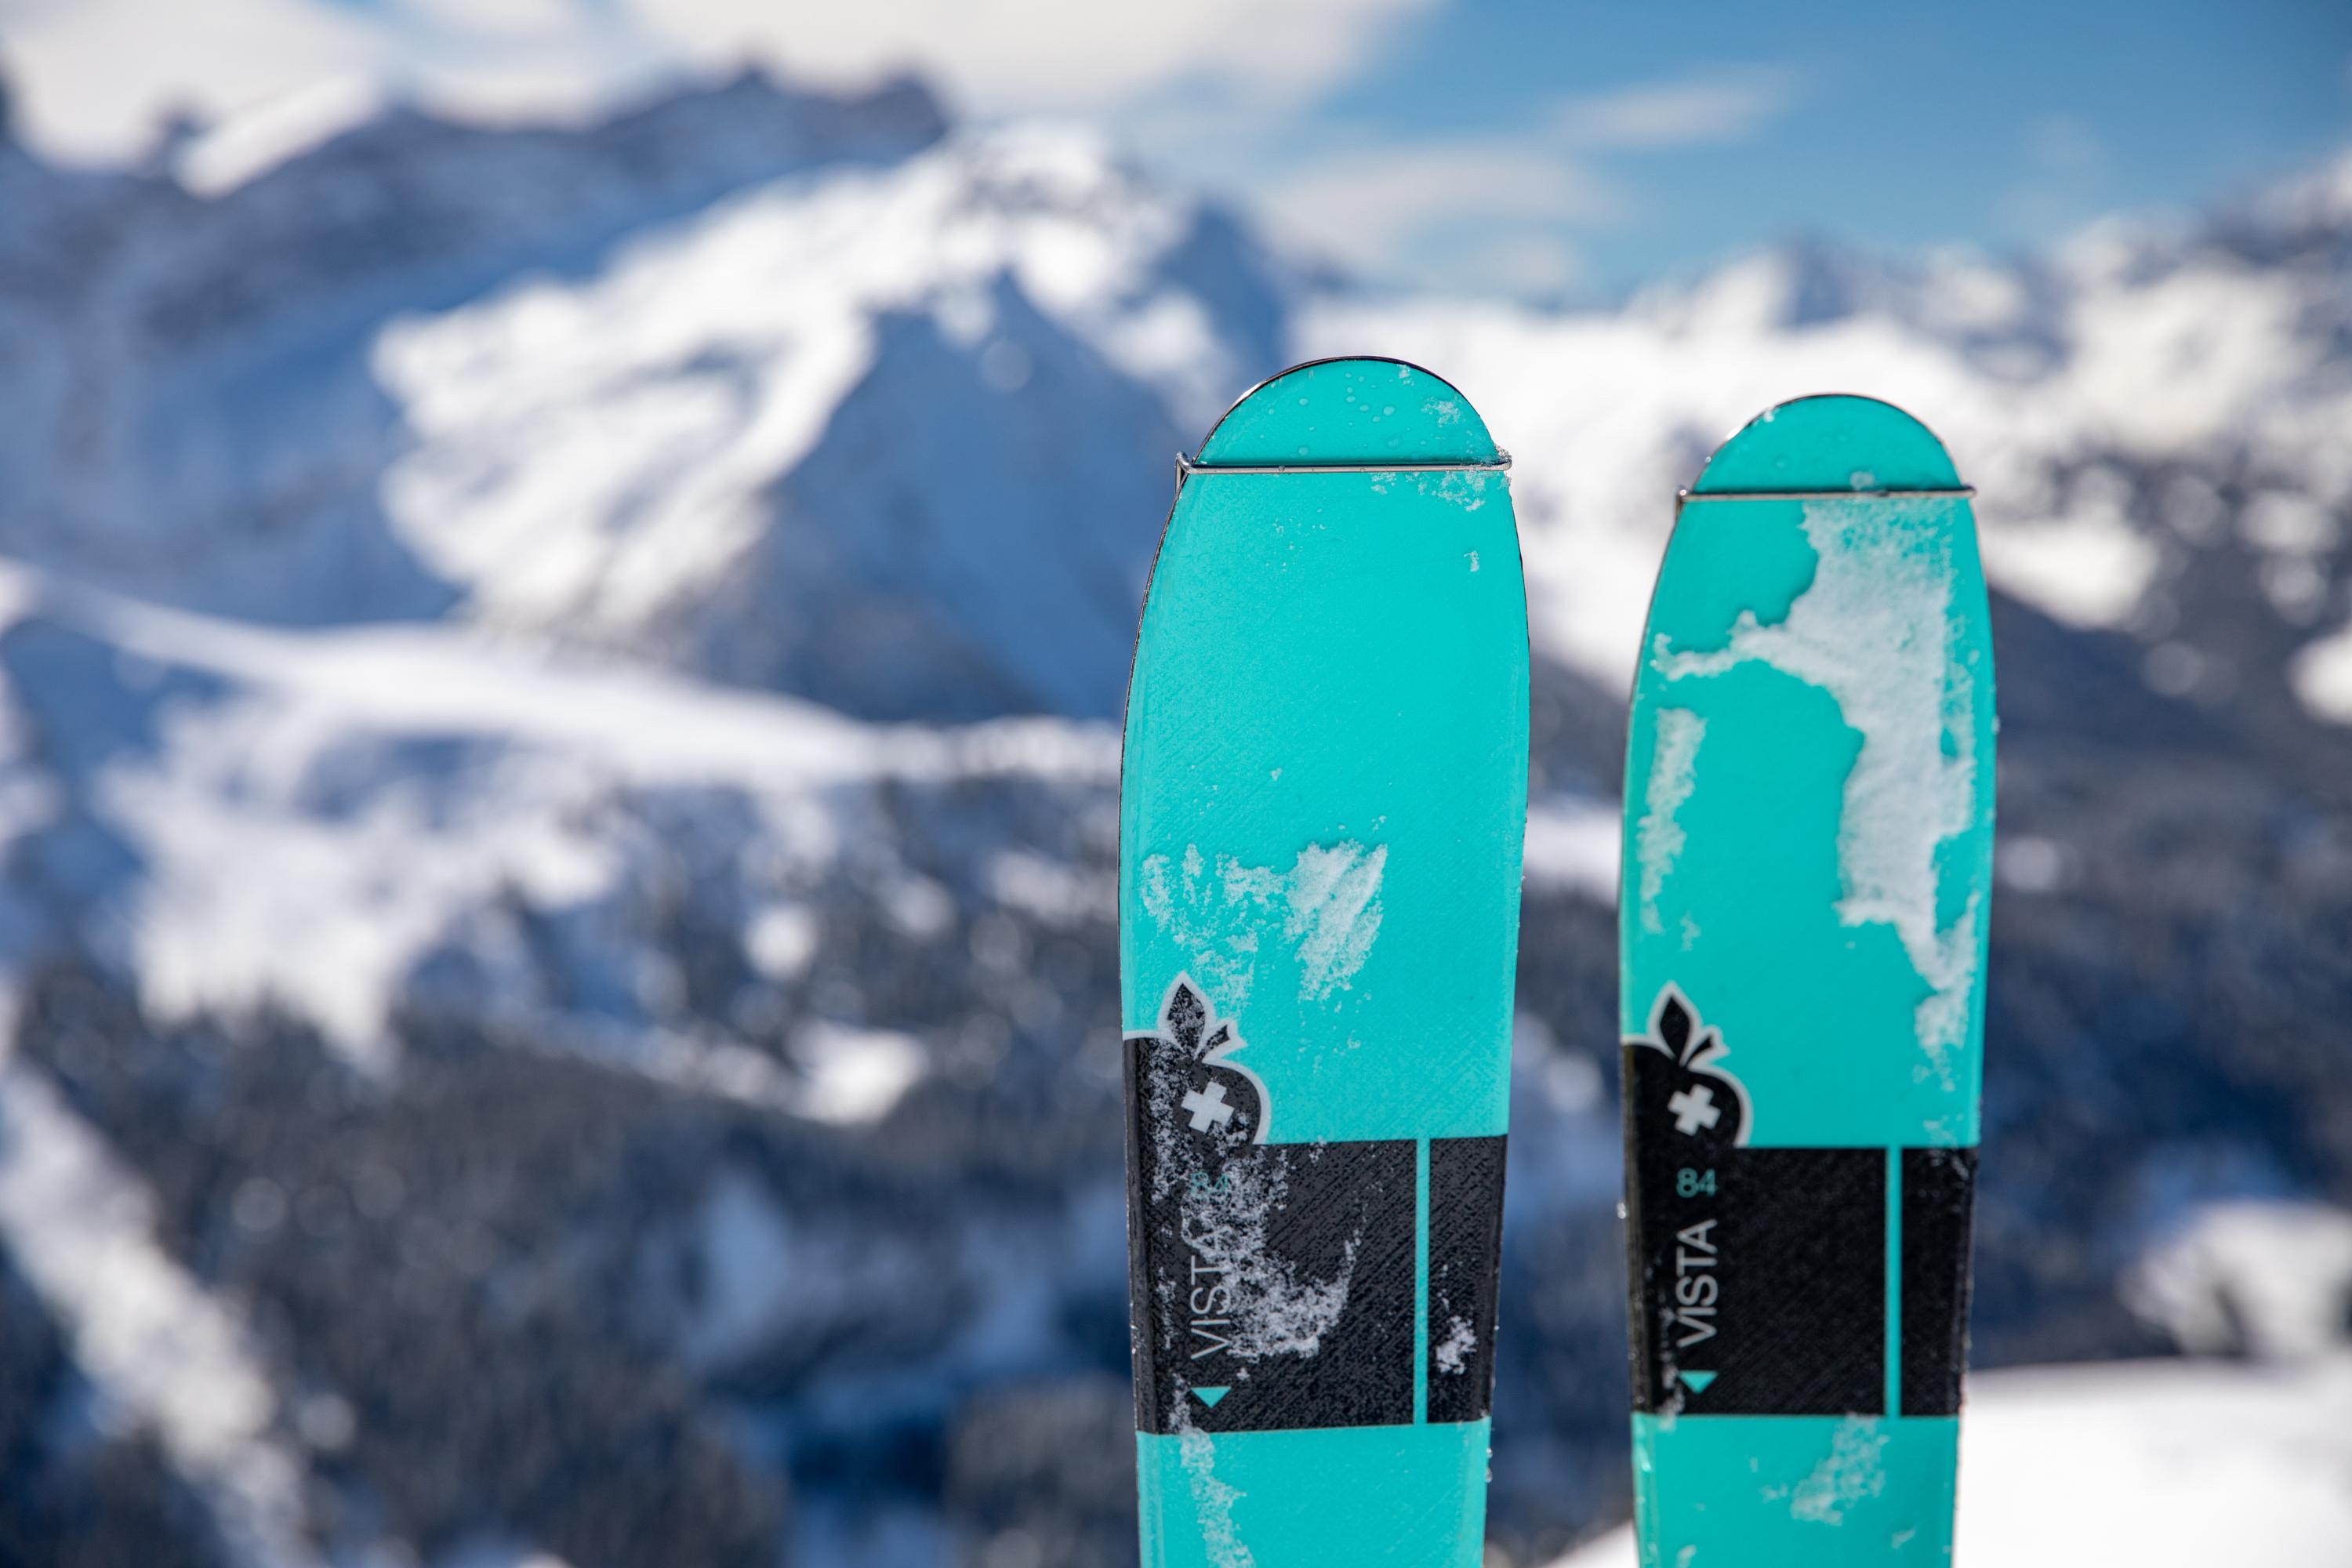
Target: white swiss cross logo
[
  {"x": 1208, "y": 1108},
  {"x": 1693, "y": 1109}
]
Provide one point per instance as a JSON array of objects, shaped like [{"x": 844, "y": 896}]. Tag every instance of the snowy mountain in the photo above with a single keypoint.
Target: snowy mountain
[
  {"x": 871, "y": 438},
  {"x": 777, "y": 388},
  {"x": 559, "y": 791},
  {"x": 2132, "y": 408},
  {"x": 192, "y": 409}
]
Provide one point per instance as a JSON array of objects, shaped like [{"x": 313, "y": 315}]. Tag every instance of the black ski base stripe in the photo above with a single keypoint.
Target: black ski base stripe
[
  {"x": 1466, "y": 1253},
  {"x": 1273, "y": 1285},
  {"x": 1758, "y": 1278},
  {"x": 1939, "y": 1189}
]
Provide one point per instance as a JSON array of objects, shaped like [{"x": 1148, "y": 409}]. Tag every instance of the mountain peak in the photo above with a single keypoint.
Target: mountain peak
[{"x": 1812, "y": 282}]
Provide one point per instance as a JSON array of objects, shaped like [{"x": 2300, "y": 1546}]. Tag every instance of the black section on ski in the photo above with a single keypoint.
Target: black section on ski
[
  {"x": 1466, "y": 1253},
  {"x": 1759, "y": 1276},
  {"x": 1278, "y": 1280},
  {"x": 1761, "y": 1270},
  {"x": 1272, "y": 1284},
  {"x": 1938, "y": 1204}
]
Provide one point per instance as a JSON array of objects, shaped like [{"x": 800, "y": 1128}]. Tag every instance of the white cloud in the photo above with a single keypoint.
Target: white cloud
[
  {"x": 1051, "y": 54},
  {"x": 1373, "y": 208},
  {"x": 510, "y": 19},
  {"x": 1362, "y": 208},
  {"x": 1532, "y": 264},
  {"x": 1707, "y": 106},
  {"x": 94, "y": 77}
]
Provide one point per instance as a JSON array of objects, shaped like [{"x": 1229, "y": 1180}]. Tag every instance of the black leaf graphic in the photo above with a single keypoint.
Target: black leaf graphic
[
  {"x": 1689, "y": 1092},
  {"x": 1675, "y": 1028},
  {"x": 1220, "y": 1102},
  {"x": 1186, "y": 1012}
]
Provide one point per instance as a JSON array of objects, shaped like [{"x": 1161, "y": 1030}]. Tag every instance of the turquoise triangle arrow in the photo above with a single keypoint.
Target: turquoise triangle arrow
[
  {"x": 1209, "y": 1396},
  {"x": 1697, "y": 1382}
]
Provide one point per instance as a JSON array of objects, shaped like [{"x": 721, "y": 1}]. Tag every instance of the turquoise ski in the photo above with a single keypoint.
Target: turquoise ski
[
  {"x": 1322, "y": 803},
  {"x": 1808, "y": 794}
]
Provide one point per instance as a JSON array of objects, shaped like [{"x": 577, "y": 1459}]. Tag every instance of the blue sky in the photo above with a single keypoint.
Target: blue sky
[
  {"x": 1998, "y": 123},
  {"x": 1547, "y": 149}
]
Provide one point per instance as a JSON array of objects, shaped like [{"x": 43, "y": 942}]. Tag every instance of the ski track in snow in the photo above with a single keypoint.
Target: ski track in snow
[{"x": 443, "y": 680}]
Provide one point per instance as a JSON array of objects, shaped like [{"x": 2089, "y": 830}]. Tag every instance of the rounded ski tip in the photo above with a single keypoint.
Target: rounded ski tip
[
  {"x": 1351, "y": 411},
  {"x": 1808, "y": 444}
]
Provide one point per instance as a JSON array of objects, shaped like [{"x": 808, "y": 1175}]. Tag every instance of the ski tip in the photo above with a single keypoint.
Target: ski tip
[
  {"x": 1351, "y": 411},
  {"x": 1808, "y": 444},
  {"x": 1209, "y": 1396}
]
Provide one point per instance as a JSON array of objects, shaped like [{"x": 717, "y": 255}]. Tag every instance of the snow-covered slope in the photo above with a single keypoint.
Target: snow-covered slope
[
  {"x": 190, "y": 408},
  {"x": 338, "y": 809},
  {"x": 2153, "y": 1465},
  {"x": 888, "y": 427},
  {"x": 893, "y": 438}
]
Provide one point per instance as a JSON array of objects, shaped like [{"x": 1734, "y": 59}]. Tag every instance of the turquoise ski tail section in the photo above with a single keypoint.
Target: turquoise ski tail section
[
  {"x": 1807, "y": 874},
  {"x": 1322, "y": 808},
  {"x": 1793, "y": 1492}
]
